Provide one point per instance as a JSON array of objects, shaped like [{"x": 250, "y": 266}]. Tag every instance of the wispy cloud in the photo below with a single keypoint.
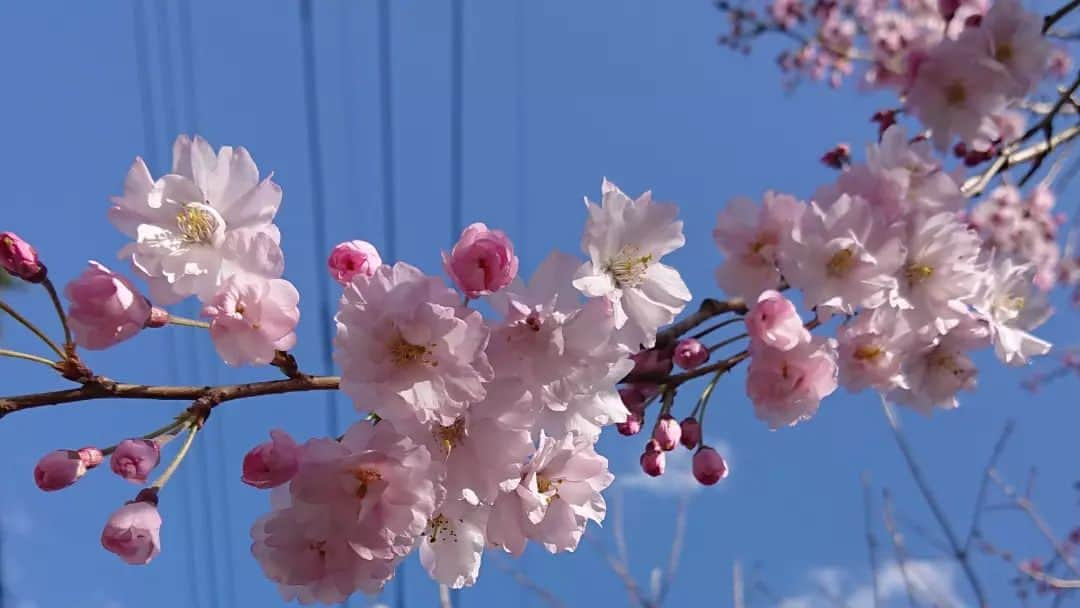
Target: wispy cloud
[
  {"x": 677, "y": 479},
  {"x": 933, "y": 582}
]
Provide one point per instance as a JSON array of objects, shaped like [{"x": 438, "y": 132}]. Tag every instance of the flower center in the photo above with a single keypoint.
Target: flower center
[
  {"x": 841, "y": 263},
  {"x": 439, "y": 529},
  {"x": 451, "y": 436},
  {"x": 363, "y": 478},
  {"x": 1003, "y": 53},
  {"x": 200, "y": 223},
  {"x": 955, "y": 93},
  {"x": 533, "y": 321},
  {"x": 628, "y": 268},
  {"x": 318, "y": 546},
  {"x": 550, "y": 487},
  {"x": 404, "y": 353},
  {"x": 918, "y": 273},
  {"x": 868, "y": 352}
]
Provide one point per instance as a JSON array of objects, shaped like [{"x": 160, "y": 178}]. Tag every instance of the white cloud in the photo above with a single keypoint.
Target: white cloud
[
  {"x": 677, "y": 479},
  {"x": 933, "y": 582}
]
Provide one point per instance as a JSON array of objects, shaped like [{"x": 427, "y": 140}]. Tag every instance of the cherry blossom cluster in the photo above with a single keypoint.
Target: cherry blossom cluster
[{"x": 477, "y": 429}]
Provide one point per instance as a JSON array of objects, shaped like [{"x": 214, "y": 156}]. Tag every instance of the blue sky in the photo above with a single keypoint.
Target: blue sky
[{"x": 557, "y": 95}]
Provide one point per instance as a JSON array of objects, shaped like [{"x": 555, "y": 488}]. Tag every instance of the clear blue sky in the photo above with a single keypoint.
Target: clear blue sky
[{"x": 557, "y": 95}]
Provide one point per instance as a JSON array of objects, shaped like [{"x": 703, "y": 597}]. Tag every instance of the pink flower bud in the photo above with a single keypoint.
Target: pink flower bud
[
  {"x": 159, "y": 317},
  {"x": 58, "y": 470},
  {"x": 20, "y": 259},
  {"x": 691, "y": 433},
  {"x": 709, "y": 466},
  {"x": 667, "y": 433},
  {"x": 133, "y": 532},
  {"x": 651, "y": 361},
  {"x": 633, "y": 399},
  {"x": 105, "y": 308},
  {"x": 689, "y": 353},
  {"x": 948, "y": 8},
  {"x": 482, "y": 261},
  {"x": 653, "y": 462},
  {"x": 91, "y": 457},
  {"x": 135, "y": 458},
  {"x": 353, "y": 258},
  {"x": 273, "y": 463},
  {"x": 632, "y": 426},
  {"x": 773, "y": 321}
]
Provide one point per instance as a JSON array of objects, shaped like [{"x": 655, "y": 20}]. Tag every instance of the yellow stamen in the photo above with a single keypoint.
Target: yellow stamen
[{"x": 840, "y": 263}]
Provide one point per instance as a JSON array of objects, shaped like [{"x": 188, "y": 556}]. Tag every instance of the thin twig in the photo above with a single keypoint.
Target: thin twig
[
  {"x": 958, "y": 551},
  {"x": 708, "y": 330},
  {"x": 1056, "y": 16},
  {"x": 898, "y": 544},
  {"x": 175, "y": 464},
  {"x": 675, "y": 553},
  {"x": 871, "y": 540},
  {"x": 174, "y": 320},
  {"x": 49, "y": 287},
  {"x": 34, "y": 328},
  {"x": 675, "y": 380},
  {"x": 980, "y": 499},
  {"x": 14, "y": 354},
  {"x": 708, "y": 309},
  {"x": 1028, "y": 507},
  {"x": 527, "y": 583}
]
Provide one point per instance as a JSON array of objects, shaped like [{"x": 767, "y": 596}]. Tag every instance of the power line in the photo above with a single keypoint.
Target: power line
[
  {"x": 457, "y": 18},
  {"x": 386, "y": 129}
]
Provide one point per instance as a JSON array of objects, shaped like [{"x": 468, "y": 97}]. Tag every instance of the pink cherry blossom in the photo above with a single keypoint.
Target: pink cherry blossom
[
  {"x": 482, "y": 261},
  {"x": 408, "y": 350},
  {"x": 133, "y": 533},
  {"x": 689, "y": 353},
  {"x": 134, "y": 459},
  {"x": 20, "y": 259},
  {"x": 787, "y": 386},
  {"x": 940, "y": 369},
  {"x": 773, "y": 321},
  {"x": 749, "y": 236},
  {"x": 273, "y": 463},
  {"x": 955, "y": 90},
  {"x": 58, "y": 470},
  {"x": 453, "y": 544},
  {"x": 690, "y": 435},
  {"x": 1009, "y": 305},
  {"x": 631, "y": 427},
  {"x": 207, "y": 220},
  {"x": 105, "y": 308},
  {"x": 558, "y": 495},
  {"x": 708, "y": 466},
  {"x": 872, "y": 348},
  {"x": 252, "y": 318},
  {"x": 1013, "y": 38},
  {"x": 353, "y": 258},
  {"x": 91, "y": 456},
  {"x": 667, "y": 433},
  {"x": 653, "y": 462},
  {"x": 625, "y": 240}
]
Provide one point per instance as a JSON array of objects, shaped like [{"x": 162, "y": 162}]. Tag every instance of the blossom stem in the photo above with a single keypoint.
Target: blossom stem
[
  {"x": 1056, "y": 16},
  {"x": 731, "y": 340},
  {"x": 703, "y": 401},
  {"x": 55, "y": 297},
  {"x": 34, "y": 328},
  {"x": 193, "y": 429},
  {"x": 708, "y": 330},
  {"x": 708, "y": 309},
  {"x": 180, "y": 421},
  {"x": 14, "y": 354},
  {"x": 174, "y": 320}
]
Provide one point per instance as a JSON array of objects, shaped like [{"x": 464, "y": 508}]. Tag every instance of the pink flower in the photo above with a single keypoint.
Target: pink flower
[
  {"x": 787, "y": 386},
  {"x": 251, "y": 318},
  {"x": 689, "y": 353},
  {"x": 955, "y": 91},
  {"x": 1013, "y": 38},
  {"x": 774, "y": 322},
  {"x": 942, "y": 368},
  {"x": 133, "y": 533},
  {"x": 1010, "y": 306},
  {"x": 453, "y": 544},
  {"x": 872, "y": 348},
  {"x": 653, "y": 460},
  {"x": 709, "y": 466},
  {"x": 273, "y": 463},
  {"x": 667, "y": 433},
  {"x": 353, "y": 258},
  {"x": 690, "y": 436},
  {"x": 631, "y": 427},
  {"x": 91, "y": 456},
  {"x": 749, "y": 237},
  {"x": 135, "y": 458},
  {"x": 58, "y": 470},
  {"x": 1060, "y": 63},
  {"x": 558, "y": 495},
  {"x": 482, "y": 261},
  {"x": 20, "y": 259},
  {"x": 408, "y": 350},
  {"x": 105, "y": 308}
]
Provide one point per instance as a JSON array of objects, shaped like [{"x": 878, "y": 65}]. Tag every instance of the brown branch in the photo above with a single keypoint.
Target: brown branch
[
  {"x": 1056, "y": 16},
  {"x": 709, "y": 308},
  {"x": 898, "y": 544},
  {"x": 1052, "y": 581},
  {"x": 871, "y": 540},
  {"x": 104, "y": 388},
  {"x": 672, "y": 381},
  {"x": 1028, "y": 507},
  {"x": 675, "y": 553},
  {"x": 527, "y": 583},
  {"x": 980, "y": 500}
]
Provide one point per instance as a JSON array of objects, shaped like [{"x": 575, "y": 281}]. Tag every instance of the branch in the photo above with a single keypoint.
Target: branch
[
  {"x": 672, "y": 381},
  {"x": 871, "y": 540},
  {"x": 709, "y": 308},
  {"x": 1052, "y": 581},
  {"x": 1056, "y": 16},
  {"x": 898, "y": 545},
  {"x": 1028, "y": 507},
  {"x": 675, "y": 552},
  {"x": 527, "y": 583},
  {"x": 980, "y": 500},
  {"x": 104, "y": 388}
]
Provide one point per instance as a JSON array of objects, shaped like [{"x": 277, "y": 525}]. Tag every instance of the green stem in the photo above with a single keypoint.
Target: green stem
[
  {"x": 154, "y": 434},
  {"x": 34, "y": 328},
  {"x": 14, "y": 354},
  {"x": 175, "y": 464},
  {"x": 49, "y": 287},
  {"x": 731, "y": 340},
  {"x": 703, "y": 402},
  {"x": 174, "y": 320}
]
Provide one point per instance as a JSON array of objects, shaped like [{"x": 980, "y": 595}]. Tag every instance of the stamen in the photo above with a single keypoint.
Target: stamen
[
  {"x": 199, "y": 223},
  {"x": 918, "y": 273},
  {"x": 841, "y": 263},
  {"x": 628, "y": 268}
]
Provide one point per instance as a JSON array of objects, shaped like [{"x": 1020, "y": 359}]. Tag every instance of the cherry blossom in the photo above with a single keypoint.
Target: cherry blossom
[
  {"x": 59, "y": 469},
  {"x": 105, "y": 308},
  {"x": 1008, "y": 304},
  {"x": 871, "y": 350},
  {"x": 252, "y": 318},
  {"x": 749, "y": 236},
  {"x": 774, "y": 322},
  {"x": 454, "y": 543},
  {"x": 482, "y": 261},
  {"x": 353, "y": 258},
  {"x": 786, "y": 386},
  {"x": 133, "y": 532},
  {"x": 20, "y": 259},
  {"x": 273, "y": 463}
]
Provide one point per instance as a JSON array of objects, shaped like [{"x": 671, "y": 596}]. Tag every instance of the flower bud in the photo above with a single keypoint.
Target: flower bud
[
  {"x": 20, "y": 259},
  {"x": 105, "y": 308},
  {"x": 633, "y": 399},
  {"x": 773, "y": 321},
  {"x": 482, "y": 262},
  {"x": 353, "y": 258},
  {"x": 667, "y": 433},
  {"x": 691, "y": 433},
  {"x": 653, "y": 462},
  {"x": 135, "y": 458},
  {"x": 133, "y": 532},
  {"x": 58, "y": 470},
  {"x": 91, "y": 456},
  {"x": 632, "y": 426},
  {"x": 273, "y": 463},
  {"x": 689, "y": 353},
  {"x": 709, "y": 466}
]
